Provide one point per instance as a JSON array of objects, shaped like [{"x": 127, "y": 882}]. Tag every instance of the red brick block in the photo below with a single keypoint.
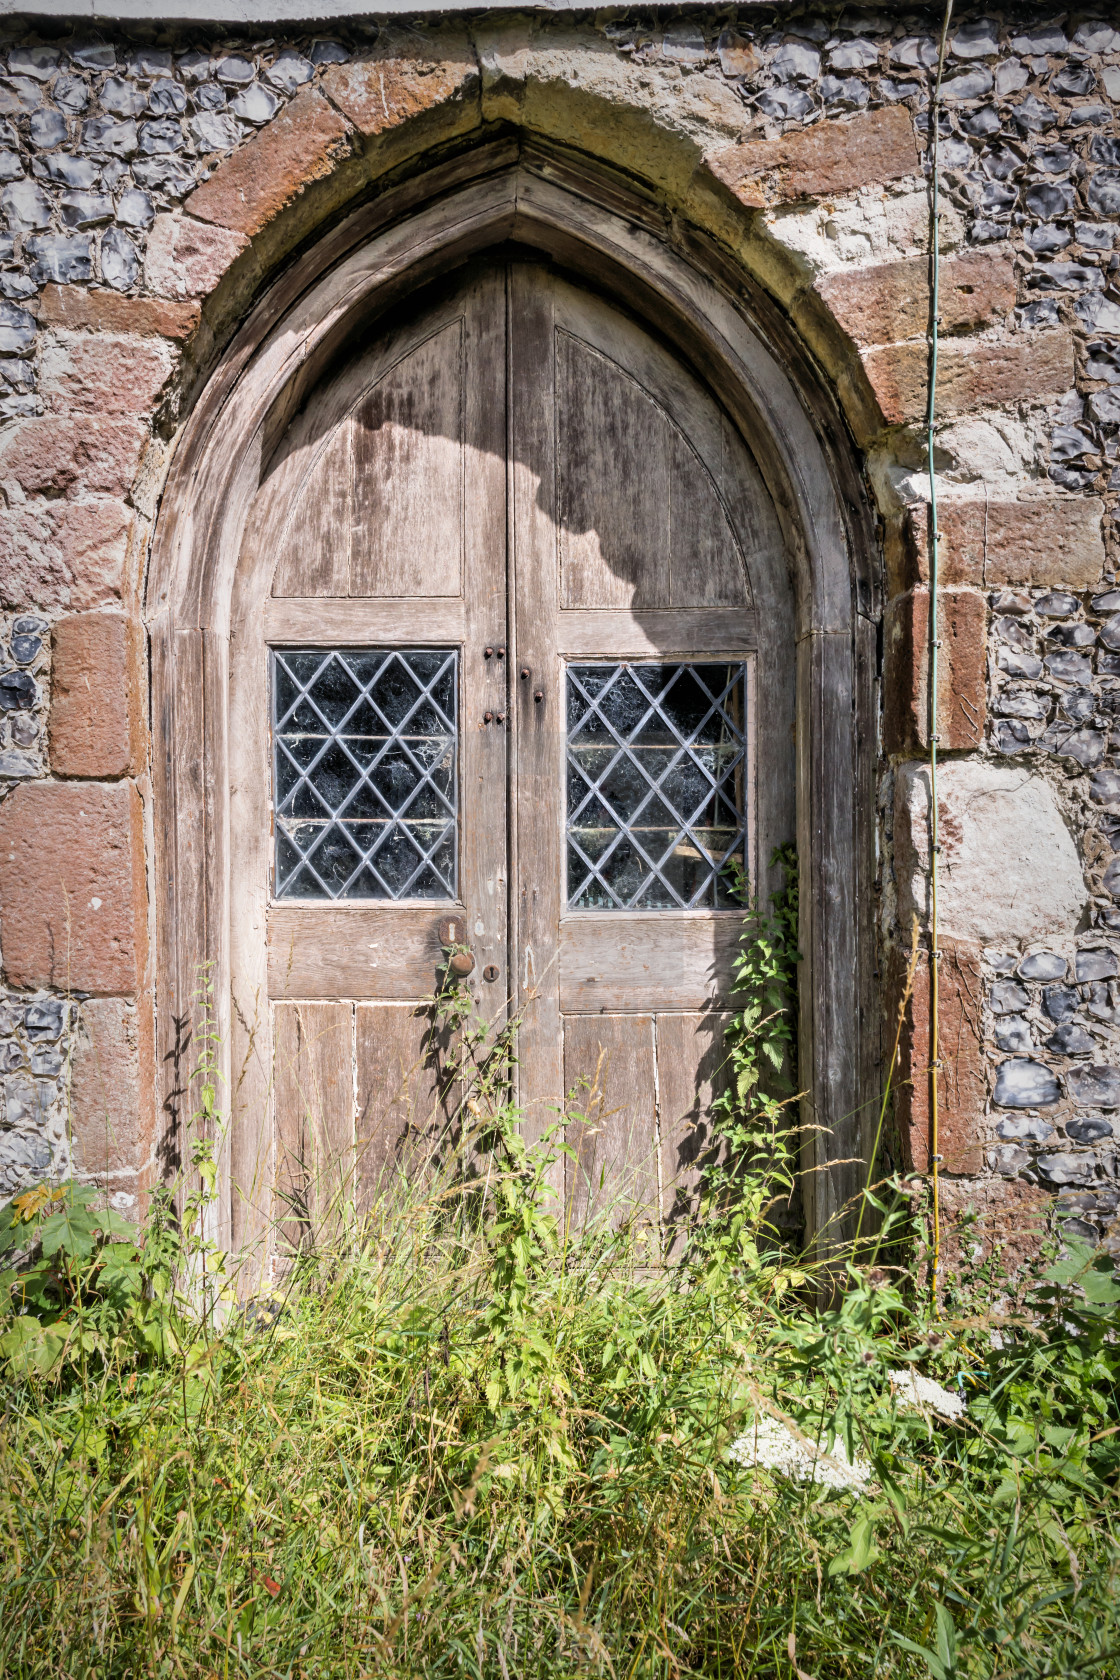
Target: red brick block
[
  {"x": 87, "y": 309},
  {"x": 86, "y": 373},
  {"x": 304, "y": 143},
  {"x": 962, "y": 667},
  {"x": 962, "y": 1082},
  {"x": 112, "y": 1085},
  {"x": 65, "y": 457},
  {"x": 969, "y": 376},
  {"x": 96, "y": 716},
  {"x": 187, "y": 258},
  {"x": 890, "y": 301},
  {"x": 820, "y": 162},
  {"x": 1049, "y": 542},
  {"x": 406, "y": 75},
  {"x": 73, "y": 910}
]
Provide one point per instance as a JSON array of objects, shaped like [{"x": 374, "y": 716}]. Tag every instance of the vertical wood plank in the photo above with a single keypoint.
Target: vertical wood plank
[
  {"x": 314, "y": 1119},
  {"x": 691, "y": 1074},
  {"x": 537, "y": 781},
  {"x": 610, "y": 1075}
]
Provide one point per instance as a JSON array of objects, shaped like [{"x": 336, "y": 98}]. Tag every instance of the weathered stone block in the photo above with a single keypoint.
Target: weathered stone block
[
  {"x": 112, "y": 1088},
  {"x": 962, "y": 671},
  {"x": 961, "y": 1086},
  {"x": 303, "y": 143},
  {"x": 98, "y": 374},
  {"x": 406, "y": 75},
  {"x": 82, "y": 309},
  {"x": 187, "y": 258},
  {"x": 890, "y": 301},
  {"x": 1002, "y": 1217},
  {"x": 65, "y": 457},
  {"x": 969, "y": 376},
  {"x": 820, "y": 162},
  {"x": 72, "y": 890},
  {"x": 1009, "y": 864},
  {"x": 96, "y": 712},
  {"x": 92, "y": 538},
  {"x": 1043, "y": 542}
]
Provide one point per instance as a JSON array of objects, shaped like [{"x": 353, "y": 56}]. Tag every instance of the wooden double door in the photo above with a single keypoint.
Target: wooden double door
[{"x": 498, "y": 682}]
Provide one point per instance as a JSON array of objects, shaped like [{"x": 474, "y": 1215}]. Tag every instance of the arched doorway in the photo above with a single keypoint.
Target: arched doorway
[
  {"x": 579, "y": 448},
  {"x": 515, "y": 616}
]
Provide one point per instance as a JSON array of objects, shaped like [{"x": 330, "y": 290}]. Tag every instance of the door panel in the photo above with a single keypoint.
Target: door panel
[
  {"x": 399, "y": 1096},
  {"x": 610, "y": 1073},
  {"x": 637, "y": 512},
  {"x": 623, "y": 961},
  {"x": 315, "y": 1117}
]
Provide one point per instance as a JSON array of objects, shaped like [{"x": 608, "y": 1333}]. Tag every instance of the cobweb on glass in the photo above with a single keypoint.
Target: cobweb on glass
[
  {"x": 656, "y": 795},
  {"x": 364, "y": 755}
]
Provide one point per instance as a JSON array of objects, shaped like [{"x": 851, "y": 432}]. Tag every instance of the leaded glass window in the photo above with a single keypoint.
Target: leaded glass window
[
  {"x": 364, "y": 772},
  {"x": 656, "y": 798}
]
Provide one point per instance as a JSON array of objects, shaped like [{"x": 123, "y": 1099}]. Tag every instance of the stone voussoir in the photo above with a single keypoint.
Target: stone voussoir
[
  {"x": 833, "y": 157},
  {"x": 250, "y": 188},
  {"x": 404, "y": 76},
  {"x": 187, "y": 258}
]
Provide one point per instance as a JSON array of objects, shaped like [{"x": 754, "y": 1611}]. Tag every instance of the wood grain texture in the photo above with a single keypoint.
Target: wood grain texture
[
  {"x": 630, "y": 961},
  {"x": 610, "y": 1078},
  {"x": 315, "y": 1158}
]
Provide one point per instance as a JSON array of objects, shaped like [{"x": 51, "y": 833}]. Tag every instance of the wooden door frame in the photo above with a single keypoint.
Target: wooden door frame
[{"x": 696, "y": 296}]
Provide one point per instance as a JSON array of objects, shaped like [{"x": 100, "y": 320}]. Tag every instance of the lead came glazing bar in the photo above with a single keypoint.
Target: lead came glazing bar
[
  {"x": 364, "y": 773},
  {"x": 656, "y": 798}
]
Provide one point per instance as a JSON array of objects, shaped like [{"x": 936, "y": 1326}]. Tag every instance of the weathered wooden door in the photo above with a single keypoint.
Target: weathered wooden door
[{"x": 494, "y": 679}]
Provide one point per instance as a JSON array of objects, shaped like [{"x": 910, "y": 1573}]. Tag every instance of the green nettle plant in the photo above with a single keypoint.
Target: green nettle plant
[{"x": 469, "y": 1439}]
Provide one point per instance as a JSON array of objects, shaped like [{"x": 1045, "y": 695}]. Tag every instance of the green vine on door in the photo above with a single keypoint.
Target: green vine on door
[{"x": 754, "y": 1140}]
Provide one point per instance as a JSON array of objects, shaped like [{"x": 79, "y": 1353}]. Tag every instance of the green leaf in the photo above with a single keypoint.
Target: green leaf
[{"x": 861, "y": 1550}]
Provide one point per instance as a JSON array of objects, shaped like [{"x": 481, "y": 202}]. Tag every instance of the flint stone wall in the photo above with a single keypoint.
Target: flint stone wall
[{"x": 151, "y": 181}]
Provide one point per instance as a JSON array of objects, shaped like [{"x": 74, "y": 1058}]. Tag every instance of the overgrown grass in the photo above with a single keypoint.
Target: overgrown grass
[
  {"x": 458, "y": 1446},
  {"x": 464, "y": 1440}
]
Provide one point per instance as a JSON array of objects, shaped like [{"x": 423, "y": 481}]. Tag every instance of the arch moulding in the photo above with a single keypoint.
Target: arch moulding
[{"x": 510, "y": 189}]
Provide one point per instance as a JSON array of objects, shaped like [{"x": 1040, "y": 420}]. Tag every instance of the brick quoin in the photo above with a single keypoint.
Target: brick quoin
[
  {"x": 890, "y": 301},
  {"x": 962, "y": 1087},
  {"x": 72, "y": 890},
  {"x": 101, "y": 311},
  {"x": 1046, "y": 542},
  {"x": 304, "y": 143},
  {"x": 962, "y": 670},
  {"x": 969, "y": 376},
  {"x": 95, "y": 716},
  {"x": 112, "y": 1089}
]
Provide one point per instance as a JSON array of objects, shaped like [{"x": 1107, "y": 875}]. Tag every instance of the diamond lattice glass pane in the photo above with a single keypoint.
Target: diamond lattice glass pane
[
  {"x": 365, "y": 747},
  {"x": 656, "y": 797}
]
